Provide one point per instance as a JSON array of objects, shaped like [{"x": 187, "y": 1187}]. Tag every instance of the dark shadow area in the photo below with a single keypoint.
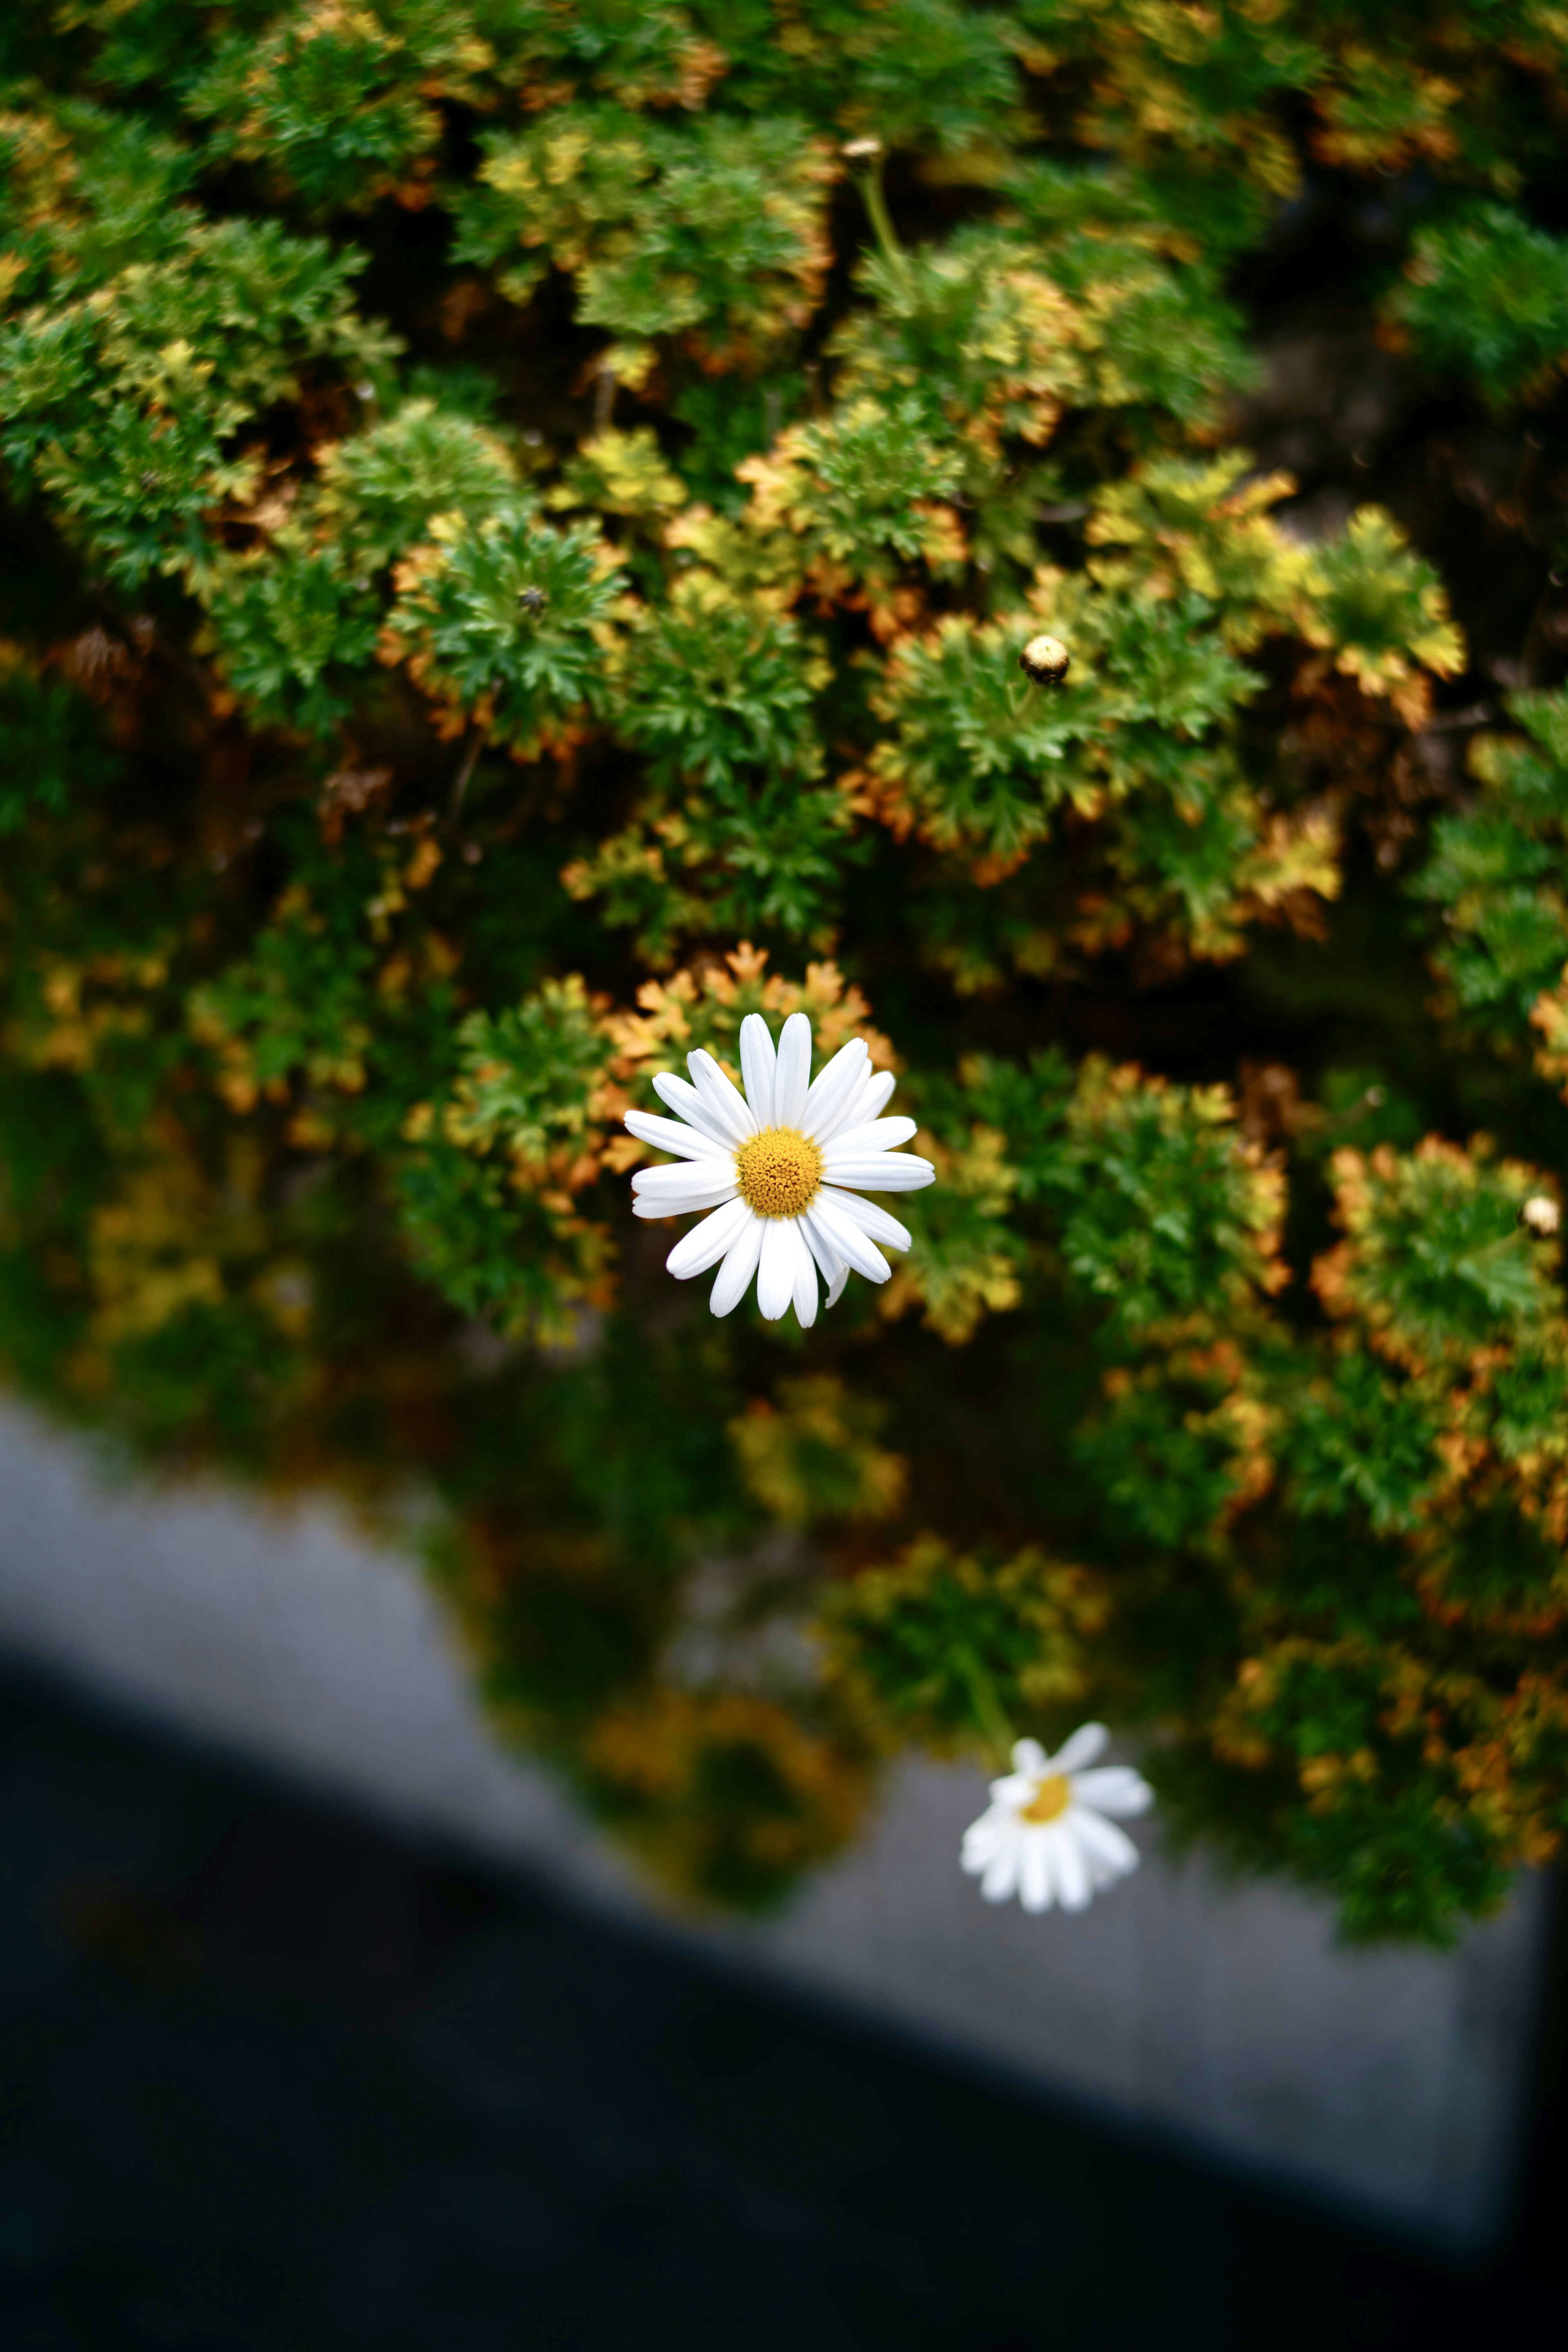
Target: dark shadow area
[{"x": 271, "y": 2077}]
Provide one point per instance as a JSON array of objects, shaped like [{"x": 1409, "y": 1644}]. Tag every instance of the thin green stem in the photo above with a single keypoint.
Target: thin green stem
[
  {"x": 993, "y": 1723},
  {"x": 461, "y": 785},
  {"x": 882, "y": 228}
]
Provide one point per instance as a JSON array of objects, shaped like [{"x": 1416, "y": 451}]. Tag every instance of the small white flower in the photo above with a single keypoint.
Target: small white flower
[
  {"x": 781, "y": 1168},
  {"x": 1045, "y": 1836}
]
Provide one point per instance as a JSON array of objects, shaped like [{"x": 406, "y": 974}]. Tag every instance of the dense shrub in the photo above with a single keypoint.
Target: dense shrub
[{"x": 522, "y": 520}]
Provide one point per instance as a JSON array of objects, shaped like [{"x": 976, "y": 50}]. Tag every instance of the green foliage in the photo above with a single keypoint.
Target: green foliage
[
  {"x": 288, "y": 627},
  {"x": 979, "y": 760},
  {"x": 122, "y": 406},
  {"x": 85, "y": 195},
  {"x": 918, "y": 70},
  {"x": 336, "y": 103},
  {"x": 1383, "y": 611},
  {"x": 296, "y": 1007},
  {"x": 861, "y": 491},
  {"x": 381, "y": 489},
  {"x": 1498, "y": 868},
  {"x": 1487, "y": 298},
  {"x": 809, "y": 1455},
  {"x": 955, "y": 1650},
  {"x": 717, "y": 690},
  {"x": 1171, "y": 1451},
  {"x": 714, "y": 686},
  {"x": 525, "y": 1076},
  {"x": 728, "y": 1796},
  {"x": 493, "y": 1248},
  {"x": 976, "y": 331},
  {"x": 1165, "y": 1214},
  {"x": 522, "y": 522},
  {"x": 54, "y": 750},
  {"x": 717, "y": 230},
  {"x": 1362, "y": 1441},
  {"x": 1439, "y": 1263},
  {"x": 485, "y": 1194},
  {"x": 506, "y": 624}
]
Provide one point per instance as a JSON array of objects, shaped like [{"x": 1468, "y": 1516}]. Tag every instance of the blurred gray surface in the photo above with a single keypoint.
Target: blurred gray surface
[{"x": 1392, "y": 2082}]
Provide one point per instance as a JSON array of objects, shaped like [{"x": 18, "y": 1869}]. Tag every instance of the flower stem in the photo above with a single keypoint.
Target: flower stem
[
  {"x": 882, "y": 228},
  {"x": 461, "y": 785},
  {"x": 993, "y": 1723}
]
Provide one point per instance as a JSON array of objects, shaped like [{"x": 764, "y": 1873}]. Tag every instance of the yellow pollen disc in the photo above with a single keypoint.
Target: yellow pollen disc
[
  {"x": 778, "y": 1171},
  {"x": 1052, "y": 1796}
]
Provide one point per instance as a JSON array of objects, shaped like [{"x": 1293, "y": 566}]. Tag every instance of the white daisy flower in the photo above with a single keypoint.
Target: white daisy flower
[
  {"x": 780, "y": 1167},
  {"x": 1045, "y": 1836}
]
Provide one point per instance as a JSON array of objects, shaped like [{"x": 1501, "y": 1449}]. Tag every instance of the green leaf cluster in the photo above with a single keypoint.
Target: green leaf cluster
[{"x": 1498, "y": 871}]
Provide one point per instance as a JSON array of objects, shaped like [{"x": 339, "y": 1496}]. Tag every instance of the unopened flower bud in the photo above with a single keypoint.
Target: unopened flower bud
[
  {"x": 534, "y": 600},
  {"x": 1540, "y": 1215},
  {"x": 1044, "y": 660}
]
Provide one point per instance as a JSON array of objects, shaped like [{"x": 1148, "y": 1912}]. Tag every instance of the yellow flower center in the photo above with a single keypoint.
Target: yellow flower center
[
  {"x": 778, "y": 1171},
  {"x": 1052, "y": 1796}
]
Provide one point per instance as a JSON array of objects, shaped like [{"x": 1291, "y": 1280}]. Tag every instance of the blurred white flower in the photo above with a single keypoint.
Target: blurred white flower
[
  {"x": 781, "y": 1168},
  {"x": 1047, "y": 1835}
]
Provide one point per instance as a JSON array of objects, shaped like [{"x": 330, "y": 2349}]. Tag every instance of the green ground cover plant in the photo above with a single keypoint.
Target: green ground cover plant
[{"x": 520, "y": 520}]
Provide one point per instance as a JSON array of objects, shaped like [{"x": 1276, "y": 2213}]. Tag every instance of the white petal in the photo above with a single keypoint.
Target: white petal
[
  {"x": 672, "y": 1135},
  {"x": 880, "y": 1171},
  {"x": 827, "y": 1259},
  {"x": 868, "y": 1101},
  {"x": 1071, "y": 1870},
  {"x": 1028, "y": 1758},
  {"x": 1011, "y": 1795},
  {"x": 792, "y": 1073},
  {"x": 872, "y": 1135},
  {"x": 1100, "y": 1874},
  {"x": 1105, "y": 1843},
  {"x": 835, "y": 1272},
  {"x": 686, "y": 1099},
  {"x": 873, "y": 1221},
  {"x": 985, "y": 1837},
  {"x": 1113, "y": 1789},
  {"x": 1033, "y": 1872},
  {"x": 683, "y": 1204},
  {"x": 832, "y": 1088},
  {"x": 735, "y": 1275},
  {"x": 720, "y": 1096},
  {"x": 805, "y": 1282},
  {"x": 775, "y": 1272},
  {"x": 757, "y": 1060},
  {"x": 1086, "y": 1743},
  {"x": 1001, "y": 1874},
  {"x": 846, "y": 1241},
  {"x": 664, "y": 1182},
  {"x": 706, "y": 1243}
]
